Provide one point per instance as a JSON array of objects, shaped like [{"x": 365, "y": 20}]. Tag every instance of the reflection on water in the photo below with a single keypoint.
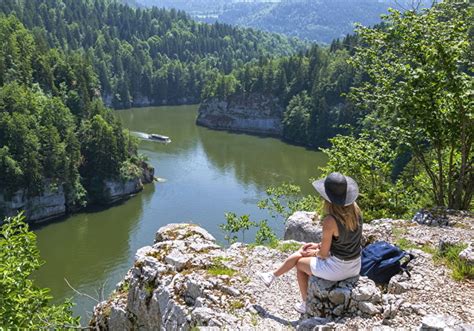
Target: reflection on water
[{"x": 206, "y": 173}]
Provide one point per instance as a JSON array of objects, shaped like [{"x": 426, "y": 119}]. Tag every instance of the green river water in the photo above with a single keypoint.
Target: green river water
[{"x": 206, "y": 173}]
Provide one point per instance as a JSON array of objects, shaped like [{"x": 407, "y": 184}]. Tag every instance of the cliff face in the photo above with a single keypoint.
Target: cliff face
[
  {"x": 254, "y": 113},
  {"x": 52, "y": 203},
  {"x": 186, "y": 281}
]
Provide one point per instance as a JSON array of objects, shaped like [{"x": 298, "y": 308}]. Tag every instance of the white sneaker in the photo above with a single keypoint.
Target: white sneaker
[
  {"x": 301, "y": 307},
  {"x": 266, "y": 277}
]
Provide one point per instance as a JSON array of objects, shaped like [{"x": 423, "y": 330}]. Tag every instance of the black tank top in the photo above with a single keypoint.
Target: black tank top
[{"x": 348, "y": 245}]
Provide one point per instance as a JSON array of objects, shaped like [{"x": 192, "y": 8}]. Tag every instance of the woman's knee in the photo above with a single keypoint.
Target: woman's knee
[
  {"x": 304, "y": 265},
  {"x": 295, "y": 255}
]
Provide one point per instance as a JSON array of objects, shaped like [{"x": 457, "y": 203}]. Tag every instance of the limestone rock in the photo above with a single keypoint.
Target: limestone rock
[
  {"x": 438, "y": 322},
  {"x": 400, "y": 284},
  {"x": 313, "y": 323},
  {"x": 117, "y": 189},
  {"x": 181, "y": 231},
  {"x": 343, "y": 298},
  {"x": 303, "y": 226},
  {"x": 185, "y": 280},
  {"x": 253, "y": 113},
  {"x": 48, "y": 205},
  {"x": 468, "y": 254}
]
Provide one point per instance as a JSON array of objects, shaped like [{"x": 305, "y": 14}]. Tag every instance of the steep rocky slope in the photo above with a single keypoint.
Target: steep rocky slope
[
  {"x": 186, "y": 280},
  {"x": 254, "y": 113}
]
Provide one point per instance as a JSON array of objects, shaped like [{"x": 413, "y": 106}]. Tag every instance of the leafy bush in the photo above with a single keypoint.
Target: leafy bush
[
  {"x": 282, "y": 201},
  {"x": 370, "y": 161},
  {"x": 235, "y": 224},
  {"x": 22, "y": 304},
  {"x": 265, "y": 234}
]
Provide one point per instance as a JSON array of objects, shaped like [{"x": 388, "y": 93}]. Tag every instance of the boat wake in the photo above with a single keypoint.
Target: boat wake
[
  {"x": 141, "y": 135},
  {"x": 151, "y": 137}
]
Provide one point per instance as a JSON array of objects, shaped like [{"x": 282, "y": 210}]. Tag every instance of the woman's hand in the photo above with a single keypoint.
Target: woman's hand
[
  {"x": 309, "y": 249},
  {"x": 310, "y": 252},
  {"x": 311, "y": 246}
]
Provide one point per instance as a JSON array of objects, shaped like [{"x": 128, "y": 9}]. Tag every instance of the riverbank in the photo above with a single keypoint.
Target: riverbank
[
  {"x": 52, "y": 203},
  {"x": 185, "y": 281}
]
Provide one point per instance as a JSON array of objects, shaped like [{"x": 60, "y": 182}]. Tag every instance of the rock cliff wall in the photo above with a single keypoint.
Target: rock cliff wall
[
  {"x": 254, "y": 113},
  {"x": 52, "y": 203},
  {"x": 186, "y": 281}
]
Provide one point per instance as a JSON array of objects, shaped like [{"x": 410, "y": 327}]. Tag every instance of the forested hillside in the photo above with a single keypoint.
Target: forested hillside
[
  {"x": 400, "y": 97},
  {"x": 144, "y": 56},
  {"x": 320, "y": 21},
  {"x": 54, "y": 130},
  {"x": 311, "y": 86}
]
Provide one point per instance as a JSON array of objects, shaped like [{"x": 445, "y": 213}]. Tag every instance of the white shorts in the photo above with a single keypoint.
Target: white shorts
[{"x": 335, "y": 269}]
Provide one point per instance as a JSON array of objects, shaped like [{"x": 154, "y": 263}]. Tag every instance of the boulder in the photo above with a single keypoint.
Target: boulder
[
  {"x": 350, "y": 297},
  {"x": 438, "y": 322},
  {"x": 435, "y": 217},
  {"x": 468, "y": 254},
  {"x": 304, "y": 227}
]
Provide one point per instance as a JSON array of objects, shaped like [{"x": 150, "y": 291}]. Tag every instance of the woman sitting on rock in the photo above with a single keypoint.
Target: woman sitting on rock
[{"x": 337, "y": 257}]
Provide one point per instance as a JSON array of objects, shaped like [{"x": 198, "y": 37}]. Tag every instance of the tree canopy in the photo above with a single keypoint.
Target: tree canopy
[{"x": 420, "y": 92}]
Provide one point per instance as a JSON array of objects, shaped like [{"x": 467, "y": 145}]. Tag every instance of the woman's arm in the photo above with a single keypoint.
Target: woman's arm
[{"x": 329, "y": 229}]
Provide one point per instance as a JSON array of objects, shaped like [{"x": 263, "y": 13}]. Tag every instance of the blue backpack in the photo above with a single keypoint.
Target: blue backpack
[{"x": 381, "y": 261}]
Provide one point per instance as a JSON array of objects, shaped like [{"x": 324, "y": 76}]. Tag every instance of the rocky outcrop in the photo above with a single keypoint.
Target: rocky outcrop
[
  {"x": 118, "y": 189},
  {"x": 253, "y": 113},
  {"x": 353, "y": 296},
  {"x": 185, "y": 281}
]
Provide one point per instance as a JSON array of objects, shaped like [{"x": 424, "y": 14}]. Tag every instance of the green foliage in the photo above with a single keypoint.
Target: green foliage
[
  {"x": 460, "y": 268},
  {"x": 419, "y": 92},
  {"x": 282, "y": 201},
  {"x": 235, "y": 224},
  {"x": 296, "y": 118},
  {"x": 22, "y": 304},
  {"x": 265, "y": 234},
  {"x": 285, "y": 247},
  {"x": 405, "y": 244},
  {"x": 37, "y": 141},
  {"x": 370, "y": 161}
]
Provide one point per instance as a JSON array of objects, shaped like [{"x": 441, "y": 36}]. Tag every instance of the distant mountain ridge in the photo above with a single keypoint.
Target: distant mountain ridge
[{"x": 315, "y": 20}]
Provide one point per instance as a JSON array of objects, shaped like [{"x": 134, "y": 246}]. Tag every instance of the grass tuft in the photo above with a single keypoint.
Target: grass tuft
[
  {"x": 218, "y": 268},
  {"x": 460, "y": 269}
]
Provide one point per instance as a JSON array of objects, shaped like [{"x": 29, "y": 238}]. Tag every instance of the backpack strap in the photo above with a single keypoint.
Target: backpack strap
[{"x": 404, "y": 265}]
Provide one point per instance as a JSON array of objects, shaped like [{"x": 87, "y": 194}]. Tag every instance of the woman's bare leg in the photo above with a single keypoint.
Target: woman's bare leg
[
  {"x": 288, "y": 264},
  {"x": 303, "y": 271}
]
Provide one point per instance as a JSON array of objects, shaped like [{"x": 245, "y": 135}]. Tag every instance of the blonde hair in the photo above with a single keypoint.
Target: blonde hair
[{"x": 348, "y": 215}]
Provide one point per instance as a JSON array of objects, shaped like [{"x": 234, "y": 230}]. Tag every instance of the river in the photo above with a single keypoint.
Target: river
[{"x": 206, "y": 173}]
